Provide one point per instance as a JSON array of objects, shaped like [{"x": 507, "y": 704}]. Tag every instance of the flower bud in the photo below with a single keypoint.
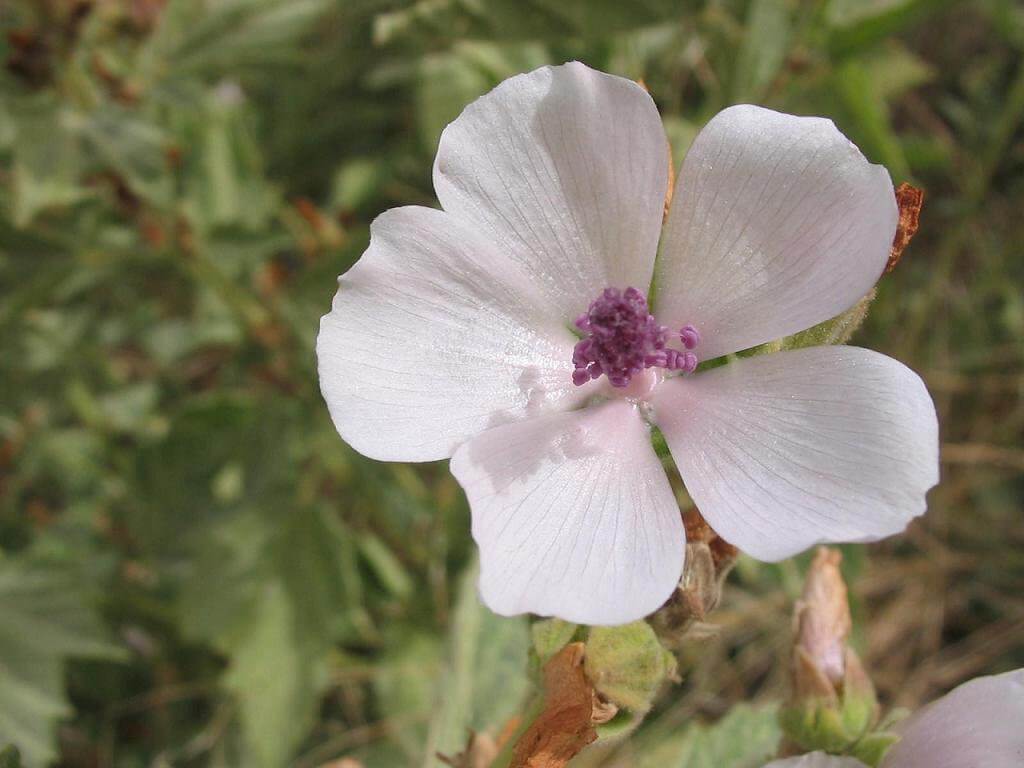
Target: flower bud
[{"x": 833, "y": 702}]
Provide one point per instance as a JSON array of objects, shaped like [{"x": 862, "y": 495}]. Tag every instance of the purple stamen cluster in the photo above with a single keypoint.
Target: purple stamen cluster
[{"x": 623, "y": 338}]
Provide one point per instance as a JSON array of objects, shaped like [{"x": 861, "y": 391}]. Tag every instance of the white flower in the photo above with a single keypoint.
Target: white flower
[
  {"x": 452, "y": 337},
  {"x": 978, "y": 725}
]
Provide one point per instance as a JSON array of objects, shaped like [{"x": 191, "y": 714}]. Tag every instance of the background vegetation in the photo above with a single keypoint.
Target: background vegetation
[{"x": 196, "y": 571}]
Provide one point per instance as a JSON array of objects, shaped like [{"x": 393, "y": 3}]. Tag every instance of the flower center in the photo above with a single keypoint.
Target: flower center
[{"x": 622, "y": 338}]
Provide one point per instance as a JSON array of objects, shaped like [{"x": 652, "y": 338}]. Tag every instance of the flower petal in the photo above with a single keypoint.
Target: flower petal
[
  {"x": 574, "y": 516},
  {"x": 434, "y": 337},
  {"x": 777, "y": 223},
  {"x": 817, "y": 760},
  {"x": 566, "y": 170},
  {"x": 782, "y": 451},
  {"x": 981, "y": 723}
]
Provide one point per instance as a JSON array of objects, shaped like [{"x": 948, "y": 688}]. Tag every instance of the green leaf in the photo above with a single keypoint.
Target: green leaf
[
  {"x": 10, "y": 757},
  {"x": 747, "y": 737},
  {"x": 47, "y": 618},
  {"x": 405, "y": 684},
  {"x": 894, "y": 70},
  {"x": 428, "y": 21},
  {"x": 385, "y": 566},
  {"x": 764, "y": 49},
  {"x": 276, "y": 612},
  {"x": 859, "y": 24},
  {"x": 866, "y": 104},
  {"x": 485, "y": 681},
  {"x": 273, "y": 680},
  {"x": 46, "y": 164}
]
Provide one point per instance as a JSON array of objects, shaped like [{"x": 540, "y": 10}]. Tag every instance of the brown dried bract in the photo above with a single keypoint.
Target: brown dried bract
[
  {"x": 909, "y": 199},
  {"x": 708, "y": 561},
  {"x": 697, "y": 529},
  {"x": 566, "y": 725}
]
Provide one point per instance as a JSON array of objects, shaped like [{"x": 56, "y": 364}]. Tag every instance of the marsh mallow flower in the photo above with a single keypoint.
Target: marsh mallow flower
[
  {"x": 978, "y": 725},
  {"x": 528, "y": 332}
]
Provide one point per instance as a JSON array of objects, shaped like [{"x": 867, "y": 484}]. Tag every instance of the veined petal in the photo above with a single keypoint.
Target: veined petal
[
  {"x": 786, "y": 450},
  {"x": 434, "y": 337},
  {"x": 978, "y": 725},
  {"x": 777, "y": 223},
  {"x": 565, "y": 169},
  {"x": 817, "y": 760},
  {"x": 574, "y": 516}
]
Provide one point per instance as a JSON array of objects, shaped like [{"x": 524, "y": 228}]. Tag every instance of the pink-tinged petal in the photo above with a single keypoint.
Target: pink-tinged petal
[
  {"x": 574, "y": 516},
  {"x": 978, "y": 725},
  {"x": 783, "y": 451},
  {"x": 565, "y": 169},
  {"x": 777, "y": 223},
  {"x": 817, "y": 760},
  {"x": 434, "y": 337}
]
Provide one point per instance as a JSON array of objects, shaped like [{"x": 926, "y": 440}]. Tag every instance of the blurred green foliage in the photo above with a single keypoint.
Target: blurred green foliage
[{"x": 194, "y": 569}]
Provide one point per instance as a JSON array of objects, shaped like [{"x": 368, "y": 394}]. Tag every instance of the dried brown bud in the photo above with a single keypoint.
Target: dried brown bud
[{"x": 709, "y": 558}]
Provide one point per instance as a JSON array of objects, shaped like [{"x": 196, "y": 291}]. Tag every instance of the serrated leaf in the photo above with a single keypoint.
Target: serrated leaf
[{"x": 47, "y": 618}]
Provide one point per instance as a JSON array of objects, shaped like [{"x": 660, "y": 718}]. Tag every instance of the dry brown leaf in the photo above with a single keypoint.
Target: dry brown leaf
[
  {"x": 566, "y": 725},
  {"x": 909, "y": 199}
]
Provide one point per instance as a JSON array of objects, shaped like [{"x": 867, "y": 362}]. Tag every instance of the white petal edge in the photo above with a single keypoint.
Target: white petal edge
[
  {"x": 777, "y": 223},
  {"x": 980, "y": 724},
  {"x": 574, "y": 516},
  {"x": 817, "y": 760},
  {"x": 565, "y": 169},
  {"x": 434, "y": 337},
  {"x": 786, "y": 450}
]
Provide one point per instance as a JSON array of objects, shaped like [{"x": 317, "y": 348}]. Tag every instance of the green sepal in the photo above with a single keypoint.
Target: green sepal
[
  {"x": 550, "y": 636},
  {"x": 816, "y": 727},
  {"x": 620, "y": 726},
  {"x": 837, "y": 330},
  {"x": 859, "y": 714},
  {"x": 872, "y": 748},
  {"x": 627, "y": 664}
]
